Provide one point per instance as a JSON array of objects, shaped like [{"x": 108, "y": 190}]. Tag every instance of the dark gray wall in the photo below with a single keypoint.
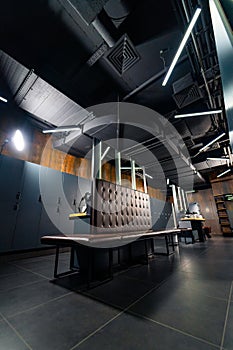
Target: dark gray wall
[{"x": 35, "y": 201}]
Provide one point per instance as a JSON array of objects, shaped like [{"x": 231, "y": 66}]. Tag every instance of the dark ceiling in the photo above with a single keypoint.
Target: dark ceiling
[{"x": 76, "y": 48}]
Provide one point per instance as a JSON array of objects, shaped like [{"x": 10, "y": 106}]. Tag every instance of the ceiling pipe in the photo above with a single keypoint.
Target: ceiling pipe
[{"x": 103, "y": 31}]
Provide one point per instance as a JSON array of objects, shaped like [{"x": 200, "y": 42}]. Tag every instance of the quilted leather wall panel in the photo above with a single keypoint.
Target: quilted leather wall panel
[{"x": 120, "y": 209}]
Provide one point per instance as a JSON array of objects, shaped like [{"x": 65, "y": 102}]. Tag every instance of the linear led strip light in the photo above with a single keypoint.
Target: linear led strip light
[
  {"x": 225, "y": 172},
  {"x": 211, "y": 142},
  {"x": 198, "y": 113},
  {"x": 217, "y": 158},
  {"x": 3, "y": 99},
  {"x": 62, "y": 129},
  {"x": 182, "y": 44}
]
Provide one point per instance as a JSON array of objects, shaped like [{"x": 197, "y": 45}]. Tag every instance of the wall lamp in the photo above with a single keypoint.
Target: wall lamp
[
  {"x": 197, "y": 114},
  {"x": 17, "y": 139},
  {"x": 182, "y": 44}
]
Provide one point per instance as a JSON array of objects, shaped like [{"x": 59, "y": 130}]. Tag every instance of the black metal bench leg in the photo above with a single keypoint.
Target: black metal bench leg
[
  {"x": 118, "y": 256},
  {"x": 172, "y": 240},
  {"x": 110, "y": 252},
  {"x": 71, "y": 258},
  {"x": 55, "y": 274},
  {"x": 152, "y": 246},
  {"x": 89, "y": 267},
  {"x": 167, "y": 244},
  {"x": 146, "y": 251},
  {"x": 130, "y": 253}
]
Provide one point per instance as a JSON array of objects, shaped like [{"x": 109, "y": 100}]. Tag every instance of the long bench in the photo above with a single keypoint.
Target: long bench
[
  {"x": 85, "y": 244},
  {"x": 119, "y": 216}
]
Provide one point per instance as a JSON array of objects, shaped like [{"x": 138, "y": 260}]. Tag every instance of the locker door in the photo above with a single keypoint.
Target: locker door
[
  {"x": 50, "y": 190},
  {"x": 11, "y": 171},
  {"x": 27, "y": 224},
  {"x": 70, "y": 186}
]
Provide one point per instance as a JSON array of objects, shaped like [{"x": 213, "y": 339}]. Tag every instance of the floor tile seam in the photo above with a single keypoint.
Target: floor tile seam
[
  {"x": 174, "y": 329},
  {"x": 8, "y": 274},
  {"x": 20, "y": 286},
  {"x": 116, "y": 316},
  {"x": 122, "y": 312},
  {"x": 35, "y": 273},
  {"x": 96, "y": 330},
  {"x": 33, "y": 259},
  {"x": 206, "y": 295},
  {"x": 16, "y": 332},
  {"x": 227, "y": 314},
  {"x": 39, "y": 305},
  {"x": 115, "y": 306},
  {"x": 198, "y": 274}
]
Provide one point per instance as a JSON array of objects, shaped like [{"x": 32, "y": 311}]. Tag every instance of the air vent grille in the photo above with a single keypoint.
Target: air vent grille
[
  {"x": 186, "y": 91},
  {"x": 187, "y": 96},
  {"x": 123, "y": 55}
]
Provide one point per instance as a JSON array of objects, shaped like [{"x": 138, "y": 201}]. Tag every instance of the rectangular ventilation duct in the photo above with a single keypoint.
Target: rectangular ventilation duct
[{"x": 186, "y": 91}]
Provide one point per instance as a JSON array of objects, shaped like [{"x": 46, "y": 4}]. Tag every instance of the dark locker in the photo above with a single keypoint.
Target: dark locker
[
  {"x": 11, "y": 171},
  {"x": 29, "y": 211}
]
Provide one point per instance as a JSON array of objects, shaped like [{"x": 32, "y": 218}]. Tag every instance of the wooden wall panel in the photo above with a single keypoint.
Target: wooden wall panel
[
  {"x": 222, "y": 186},
  {"x": 206, "y": 201},
  {"x": 156, "y": 193},
  {"x": 39, "y": 149}
]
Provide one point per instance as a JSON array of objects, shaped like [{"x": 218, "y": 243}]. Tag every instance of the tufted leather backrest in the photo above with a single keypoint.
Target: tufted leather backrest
[{"x": 120, "y": 209}]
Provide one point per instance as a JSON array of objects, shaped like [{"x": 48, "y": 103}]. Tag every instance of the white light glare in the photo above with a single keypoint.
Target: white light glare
[
  {"x": 182, "y": 44},
  {"x": 150, "y": 177},
  {"x": 3, "y": 99},
  {"x": 18, "y": 140},
  {"x": 197, "y": 114},
  {"x": 211, "y": 142},
  {"x": 225, "y": 172}
]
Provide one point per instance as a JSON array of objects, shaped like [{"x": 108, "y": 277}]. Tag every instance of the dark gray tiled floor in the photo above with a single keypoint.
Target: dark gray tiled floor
[
  {"x": 9, "y": 340},
  {"x": 228, "y": 341},
  {"x": 185, "y": 309},
  {"x": 121, "y": 292},
  {"x": 22, "y": 298},
  {"x": 182, "y": 301},
  {"x": 131, "y": 332},
  {"x": 20, "y": 278},
  {"x": 62, "y": 323}
]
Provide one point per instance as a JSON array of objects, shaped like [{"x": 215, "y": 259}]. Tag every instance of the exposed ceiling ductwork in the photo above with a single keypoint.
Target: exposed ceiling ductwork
[{"x": 84, "y": 53}]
